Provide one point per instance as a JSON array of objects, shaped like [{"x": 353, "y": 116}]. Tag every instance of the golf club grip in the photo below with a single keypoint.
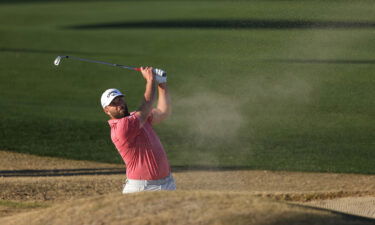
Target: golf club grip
[{"x": 156, "y": 71}]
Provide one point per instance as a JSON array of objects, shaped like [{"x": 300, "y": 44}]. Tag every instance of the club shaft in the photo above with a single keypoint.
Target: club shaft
[{"x": 105, "y": 63}]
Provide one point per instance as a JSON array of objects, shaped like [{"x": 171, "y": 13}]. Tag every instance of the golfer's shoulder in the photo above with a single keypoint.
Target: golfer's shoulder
[{"x": 131, "y": 121}]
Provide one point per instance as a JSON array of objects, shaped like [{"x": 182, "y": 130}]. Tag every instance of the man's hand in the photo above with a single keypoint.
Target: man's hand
[{"x": 147, "y": 73}]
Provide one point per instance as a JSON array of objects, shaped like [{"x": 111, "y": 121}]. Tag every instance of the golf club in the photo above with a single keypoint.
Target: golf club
[{"x": 60, "y": 57}]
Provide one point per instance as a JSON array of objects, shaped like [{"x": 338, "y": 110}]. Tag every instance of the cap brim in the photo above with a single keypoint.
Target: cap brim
[{"x": 109, "y": 100}]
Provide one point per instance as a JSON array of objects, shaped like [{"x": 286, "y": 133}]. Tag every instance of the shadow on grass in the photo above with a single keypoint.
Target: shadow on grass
[
  {"x": 209, "y": 168},
  {"x": 230, "y": 24},
  {"x": 37, "y": 1},
  {"x": 321, "y": 61},
  {"x": 61, "y": 172},
  {"x": 59, "y": 52},
  {"x": 106, "y": 171},
  {"x": 301, "y": 61}
]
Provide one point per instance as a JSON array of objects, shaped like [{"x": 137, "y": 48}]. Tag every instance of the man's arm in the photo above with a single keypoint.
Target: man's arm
[
  {"x": 163, "y": 109},
  {"x": 149, "y": 97}
]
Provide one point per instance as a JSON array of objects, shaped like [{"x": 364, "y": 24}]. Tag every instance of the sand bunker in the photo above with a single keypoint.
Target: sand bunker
[
  {"x": 360, "y": 206},
  {"x": 49, "y": 184},
  {"x": 178, "y": 207}
]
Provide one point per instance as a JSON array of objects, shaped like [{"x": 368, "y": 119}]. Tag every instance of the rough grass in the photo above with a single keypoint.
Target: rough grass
[
  {"x": 11, "y": 161},
  {"x": 22, "y": 205},
  {"x": 14, "y": 207}
]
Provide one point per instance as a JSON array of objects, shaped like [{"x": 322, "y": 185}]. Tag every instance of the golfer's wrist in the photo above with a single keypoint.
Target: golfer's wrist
[
  {"x": 150, "y": 79},
  {"x": 150, "y": 83},
  {"x": 162, "y": 86}
]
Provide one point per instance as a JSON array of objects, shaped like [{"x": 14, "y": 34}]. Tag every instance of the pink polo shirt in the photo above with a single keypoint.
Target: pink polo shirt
[{"x": 140, "y": 148}]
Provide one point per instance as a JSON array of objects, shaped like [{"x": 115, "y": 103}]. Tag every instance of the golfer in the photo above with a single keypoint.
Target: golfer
[{"x": 147, "y": 167}]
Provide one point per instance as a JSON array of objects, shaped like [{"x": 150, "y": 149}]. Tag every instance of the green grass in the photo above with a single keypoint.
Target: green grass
[
  {"x": 22, "y": 205},
  {"x": 275, "y": 98}
]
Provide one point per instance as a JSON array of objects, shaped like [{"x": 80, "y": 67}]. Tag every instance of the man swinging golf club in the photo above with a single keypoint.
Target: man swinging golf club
[{"x": 147, "y": 166}]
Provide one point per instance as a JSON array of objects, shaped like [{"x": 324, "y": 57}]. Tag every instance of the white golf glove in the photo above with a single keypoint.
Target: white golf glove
[
  {"x": 161, "y": 79},
  {"x": 160, "y": 75}
]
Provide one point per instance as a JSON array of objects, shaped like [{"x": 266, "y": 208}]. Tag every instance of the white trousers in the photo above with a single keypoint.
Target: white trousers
[{"x": 132, "y": 186}]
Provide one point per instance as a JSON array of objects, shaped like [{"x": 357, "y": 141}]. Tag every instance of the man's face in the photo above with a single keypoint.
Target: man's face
[{"x": 117, "y": 109}]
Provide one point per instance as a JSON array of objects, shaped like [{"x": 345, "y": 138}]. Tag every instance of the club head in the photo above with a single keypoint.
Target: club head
[{"x": 58, "y": 59}]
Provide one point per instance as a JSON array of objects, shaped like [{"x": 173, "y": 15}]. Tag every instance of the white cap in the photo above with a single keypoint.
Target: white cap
[{"x": 109, "y": 95}]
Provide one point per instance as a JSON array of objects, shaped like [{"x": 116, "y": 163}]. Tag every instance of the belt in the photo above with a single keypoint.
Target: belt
[{"x": 150, "y": 182}]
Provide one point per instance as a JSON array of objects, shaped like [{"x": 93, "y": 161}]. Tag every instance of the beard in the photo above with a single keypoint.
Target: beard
[
  {"x": 118, "y": 114},
  {"x": 126, "y": 111}
]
